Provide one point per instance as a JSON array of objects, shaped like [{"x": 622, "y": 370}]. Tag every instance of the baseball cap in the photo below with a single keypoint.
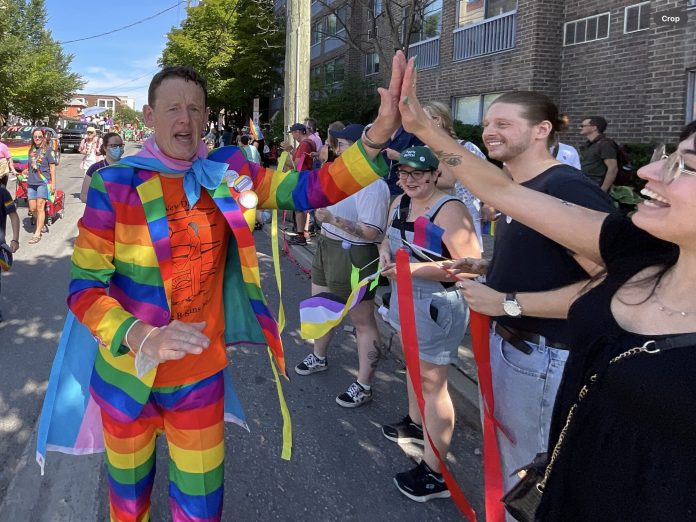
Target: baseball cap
[
  {"x": 420, "y": 158},
  {"x": 352, "y": 132},
  {"x": 91, "y": 129},
  {"x": 298, "y": 127}
]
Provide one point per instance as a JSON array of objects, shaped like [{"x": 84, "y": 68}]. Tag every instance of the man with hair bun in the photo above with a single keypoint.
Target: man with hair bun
[{"x": 528, "y": 354}]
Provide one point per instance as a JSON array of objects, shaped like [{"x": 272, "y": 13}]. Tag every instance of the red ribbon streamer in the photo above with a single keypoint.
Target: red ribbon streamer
[
  {"x": 492, "y": 471},
  {"x": 409, "y": 336}
]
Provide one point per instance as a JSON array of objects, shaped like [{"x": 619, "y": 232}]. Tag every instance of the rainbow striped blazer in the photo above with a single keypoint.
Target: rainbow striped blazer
[{"x": 122, "y": 267}]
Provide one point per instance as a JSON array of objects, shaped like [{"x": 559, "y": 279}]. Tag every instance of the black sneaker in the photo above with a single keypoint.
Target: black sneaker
[
  {"x": 297, "y": 240},
  {"x": 355, "y": 396},
  {"x": 404, "y": 431},
  {"x": 422, "y": 484},
  {"x": 311, "y": 364}
]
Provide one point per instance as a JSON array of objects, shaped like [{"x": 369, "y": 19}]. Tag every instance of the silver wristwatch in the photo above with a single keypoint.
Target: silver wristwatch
[{"x": 510, "y": 305}]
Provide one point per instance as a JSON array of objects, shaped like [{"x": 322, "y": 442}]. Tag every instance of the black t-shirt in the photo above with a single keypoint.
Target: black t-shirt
[
  {"x": 526, "y": 261},
  {"x": 630, "y": 449}
]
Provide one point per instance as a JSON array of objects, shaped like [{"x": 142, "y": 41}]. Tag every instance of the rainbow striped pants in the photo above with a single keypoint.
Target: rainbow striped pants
[{"x": 191, "y": 418}]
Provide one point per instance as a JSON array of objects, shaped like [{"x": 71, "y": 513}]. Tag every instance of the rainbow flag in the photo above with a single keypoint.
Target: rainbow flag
[
  {"x": 20, "y": 156},
  {"x": 255, "y": 130},
  {"x": 427, "y": 235},
  {"x": 324, "y": 311}
]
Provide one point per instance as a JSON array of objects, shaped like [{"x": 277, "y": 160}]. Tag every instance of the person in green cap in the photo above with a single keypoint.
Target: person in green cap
[{"x": 441, "y": 312}]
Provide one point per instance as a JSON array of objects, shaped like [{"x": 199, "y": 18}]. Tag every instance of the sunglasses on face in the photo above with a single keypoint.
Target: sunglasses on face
[
  {"x": 415, "y": 174},
  {"x": 673, "y": 167}
]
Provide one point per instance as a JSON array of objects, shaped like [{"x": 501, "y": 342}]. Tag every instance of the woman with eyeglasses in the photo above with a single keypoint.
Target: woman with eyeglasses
[
  {"x": 89, "y": 148},
  {"x": 112, "y": 148},
  {"x": 624, "y": 448},
  {"x": 41, "y": 170},
  {"x": 440, "y": 310}
]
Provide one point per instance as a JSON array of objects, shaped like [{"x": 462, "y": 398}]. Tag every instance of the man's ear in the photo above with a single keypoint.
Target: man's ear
[{"x": 148, "y": 116}]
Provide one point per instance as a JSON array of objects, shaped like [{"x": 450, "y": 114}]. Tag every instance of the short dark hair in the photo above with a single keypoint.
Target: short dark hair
[
  {"x": 537, "y": 107},
  {"x": 184, "y": 72},
  {"x": 598, "y": 122},
  {"x": 245, "y": 140}
]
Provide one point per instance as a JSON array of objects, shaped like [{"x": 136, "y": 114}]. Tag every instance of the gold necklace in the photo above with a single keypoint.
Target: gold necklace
[{"x": 662, "y": 307}]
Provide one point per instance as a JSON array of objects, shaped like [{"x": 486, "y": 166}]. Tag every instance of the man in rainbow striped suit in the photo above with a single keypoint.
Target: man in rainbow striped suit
[{"x": 165, "y": 270}]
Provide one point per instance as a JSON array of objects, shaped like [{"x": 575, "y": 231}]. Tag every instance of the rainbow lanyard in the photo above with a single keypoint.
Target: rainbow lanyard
[{"x": 35, "y": 163}]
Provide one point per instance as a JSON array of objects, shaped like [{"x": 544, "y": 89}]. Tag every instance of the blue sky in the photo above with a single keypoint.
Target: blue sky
[{"x": 121, "y": 63}]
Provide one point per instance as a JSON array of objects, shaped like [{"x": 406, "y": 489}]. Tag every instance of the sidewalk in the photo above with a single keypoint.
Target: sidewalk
[{"x": 462, "y": 376}]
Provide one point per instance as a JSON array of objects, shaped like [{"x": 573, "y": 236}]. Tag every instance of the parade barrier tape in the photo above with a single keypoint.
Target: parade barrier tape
[
  {"x": 407, "y": 318},
  {"x": 492, "y": 471}
]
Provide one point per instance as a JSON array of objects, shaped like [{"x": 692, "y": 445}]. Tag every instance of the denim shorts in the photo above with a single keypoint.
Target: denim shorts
[{"x": 37, "y": 191}]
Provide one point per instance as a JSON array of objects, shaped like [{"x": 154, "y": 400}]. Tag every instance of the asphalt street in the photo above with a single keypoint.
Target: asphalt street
[{"x": 341, "y": 467}]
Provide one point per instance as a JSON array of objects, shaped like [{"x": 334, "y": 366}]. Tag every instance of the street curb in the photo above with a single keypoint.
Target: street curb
[{"x": 462, "y": 383}]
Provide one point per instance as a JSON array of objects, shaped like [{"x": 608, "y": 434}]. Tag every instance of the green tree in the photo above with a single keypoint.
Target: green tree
[
  {"x": 125, "y": 114},
  {"x": 356, "y": 101},
  {"x": 36, "y": 78},
  {"x": 235, "y": 45}
]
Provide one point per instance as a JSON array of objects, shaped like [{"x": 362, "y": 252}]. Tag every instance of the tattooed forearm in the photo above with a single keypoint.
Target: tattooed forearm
[
  {"x": 355, "y": 228},
  {"x": 448, "y": 158}
]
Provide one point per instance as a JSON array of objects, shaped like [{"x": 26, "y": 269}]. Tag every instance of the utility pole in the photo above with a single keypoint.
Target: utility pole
[{"x": 296, "y": 99}]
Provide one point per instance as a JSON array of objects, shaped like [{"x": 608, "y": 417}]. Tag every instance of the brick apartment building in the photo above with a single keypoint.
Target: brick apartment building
[
  {"x": 82, "y": 101},
  {"x": 615, "y": 58}
]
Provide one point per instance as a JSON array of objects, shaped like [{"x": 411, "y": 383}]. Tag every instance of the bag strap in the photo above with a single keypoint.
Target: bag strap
[{"x": 651, "y": 347}]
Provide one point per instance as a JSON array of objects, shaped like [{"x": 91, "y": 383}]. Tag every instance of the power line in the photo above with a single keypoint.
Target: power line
[
  {"x": 131, "y": 81},
  {"x": 125, "y": 26}
]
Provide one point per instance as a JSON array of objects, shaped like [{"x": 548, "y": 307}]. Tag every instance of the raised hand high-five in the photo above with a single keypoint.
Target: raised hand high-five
[{"x": 388, "y": 118}]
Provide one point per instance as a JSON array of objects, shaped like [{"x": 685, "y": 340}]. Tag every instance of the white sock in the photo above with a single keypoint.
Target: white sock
[
  {"x": 366, "y": 387},
  {"x": 320, "y": 358}
]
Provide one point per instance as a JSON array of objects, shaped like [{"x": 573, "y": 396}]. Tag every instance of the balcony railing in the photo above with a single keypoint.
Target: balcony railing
[
  {"x": 492, "y": 35},
  {"x": 428, "y": 52}
]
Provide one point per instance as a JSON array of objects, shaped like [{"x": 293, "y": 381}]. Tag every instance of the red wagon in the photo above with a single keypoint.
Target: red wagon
[{"x": 54, "y": 209}]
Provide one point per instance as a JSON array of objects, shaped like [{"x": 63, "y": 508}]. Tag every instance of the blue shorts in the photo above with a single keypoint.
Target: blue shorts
[{"x": 37, "y": 191}]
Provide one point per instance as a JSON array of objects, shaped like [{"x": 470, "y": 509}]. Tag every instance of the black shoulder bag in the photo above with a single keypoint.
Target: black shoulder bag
[{"x": 523, "y": 500}]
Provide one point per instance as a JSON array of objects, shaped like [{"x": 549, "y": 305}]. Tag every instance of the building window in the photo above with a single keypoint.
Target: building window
[
  {"x": 372, "y": 64},
  {"x": 429, "y": 23},
  {"x": 637, "y": 17},
  {"x": 586, "y": 29},
  {"x": 690, "y": 4},
  {"x": 109, "y": 104},
  {"x": 277, "y": 91},
  {"x": 473, "y": 11},
  {"x": 375, "y": 8},
  {"x": 471, "y": 109},
  {"x": 334, "y": 71},
  {"x": 335, "y": 22},
  {"x": 691, "y": 94},
  {"x": 316, "y": 32}
]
